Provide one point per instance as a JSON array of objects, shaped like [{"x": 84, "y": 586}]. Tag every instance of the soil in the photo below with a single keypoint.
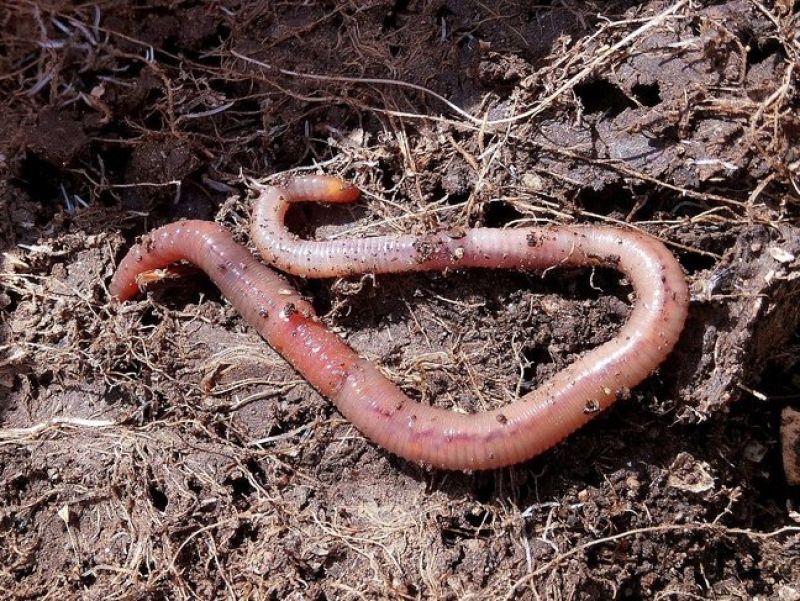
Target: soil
[{"x": 160, "y": 449}]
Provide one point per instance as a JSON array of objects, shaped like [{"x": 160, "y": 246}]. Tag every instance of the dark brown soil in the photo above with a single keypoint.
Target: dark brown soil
[{"x": 159, "y": 449}]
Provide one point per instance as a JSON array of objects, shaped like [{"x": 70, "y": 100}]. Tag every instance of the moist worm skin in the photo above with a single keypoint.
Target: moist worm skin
[{"x": 379, "y": 409}]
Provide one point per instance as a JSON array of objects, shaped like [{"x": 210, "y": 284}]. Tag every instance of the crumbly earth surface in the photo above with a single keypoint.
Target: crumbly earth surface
[{"x": 159, "y": 449}]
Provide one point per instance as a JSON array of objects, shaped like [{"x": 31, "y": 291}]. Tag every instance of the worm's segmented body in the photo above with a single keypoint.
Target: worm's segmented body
[{"x": 378, "y": 408}]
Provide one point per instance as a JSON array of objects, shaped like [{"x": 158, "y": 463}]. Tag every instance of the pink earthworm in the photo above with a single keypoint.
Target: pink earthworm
[{"x": 377, "y": 407}]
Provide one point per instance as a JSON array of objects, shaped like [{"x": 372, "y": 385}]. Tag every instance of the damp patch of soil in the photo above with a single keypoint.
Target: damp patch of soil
[{"x": 160, "y": 449}]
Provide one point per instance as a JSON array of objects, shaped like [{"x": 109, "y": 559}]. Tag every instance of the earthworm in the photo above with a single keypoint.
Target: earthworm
[{"x": 377, "y": 407}]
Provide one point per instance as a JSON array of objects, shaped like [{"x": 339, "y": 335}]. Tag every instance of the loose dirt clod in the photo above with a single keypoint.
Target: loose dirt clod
[{"x": 790, "y": 445}]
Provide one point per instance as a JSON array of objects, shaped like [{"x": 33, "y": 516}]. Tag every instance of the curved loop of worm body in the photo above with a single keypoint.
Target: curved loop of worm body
[{"x": 378, "y": 408}]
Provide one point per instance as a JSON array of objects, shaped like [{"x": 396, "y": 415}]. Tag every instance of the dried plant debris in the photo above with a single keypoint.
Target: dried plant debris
[{"x": 160, "y": 449}]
